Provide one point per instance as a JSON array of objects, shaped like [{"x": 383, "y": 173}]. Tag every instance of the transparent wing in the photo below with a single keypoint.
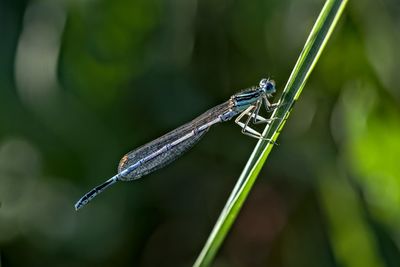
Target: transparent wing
[{"x": 170, "y": 155}]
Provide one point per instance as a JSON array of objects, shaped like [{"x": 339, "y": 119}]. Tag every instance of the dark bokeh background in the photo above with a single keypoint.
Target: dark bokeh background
[{"x": 83, "y": 82}]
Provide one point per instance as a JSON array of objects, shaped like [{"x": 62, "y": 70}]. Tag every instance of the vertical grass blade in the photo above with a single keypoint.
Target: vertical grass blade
[{"x": 313, "y": 47}]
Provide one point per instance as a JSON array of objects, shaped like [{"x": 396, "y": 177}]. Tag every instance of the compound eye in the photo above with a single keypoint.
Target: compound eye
[{"x": 270, "y": 85}]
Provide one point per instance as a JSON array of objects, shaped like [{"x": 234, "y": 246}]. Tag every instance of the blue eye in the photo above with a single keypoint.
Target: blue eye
[{"x": 270, "y": 86}]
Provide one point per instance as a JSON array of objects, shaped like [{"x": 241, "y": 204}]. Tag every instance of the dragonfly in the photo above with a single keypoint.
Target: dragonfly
[{"x": 167, "y": 148}]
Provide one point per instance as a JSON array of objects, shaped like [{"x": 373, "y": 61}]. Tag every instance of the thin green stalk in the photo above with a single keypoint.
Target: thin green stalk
[{"x": 315, "y": 43}]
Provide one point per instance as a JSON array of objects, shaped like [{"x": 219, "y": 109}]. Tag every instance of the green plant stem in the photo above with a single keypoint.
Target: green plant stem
[{"x": 315, "y": 43}]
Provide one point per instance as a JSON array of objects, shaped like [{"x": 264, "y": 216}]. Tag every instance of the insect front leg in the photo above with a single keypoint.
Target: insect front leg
[
  {"x": 251, "y": 112},
  {"x": 258, "y": 119},
  {"x": 268, "y": 106}
]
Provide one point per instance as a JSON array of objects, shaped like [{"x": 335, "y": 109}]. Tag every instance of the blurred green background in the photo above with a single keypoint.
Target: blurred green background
[{"x": 83, "y": 82}]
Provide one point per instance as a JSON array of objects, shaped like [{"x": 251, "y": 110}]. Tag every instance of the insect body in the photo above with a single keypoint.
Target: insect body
[{"x": 165, "y": 149}]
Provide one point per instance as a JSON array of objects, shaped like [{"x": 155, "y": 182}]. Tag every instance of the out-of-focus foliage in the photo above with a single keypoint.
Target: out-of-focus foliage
[{"x": 83, "y": 82}]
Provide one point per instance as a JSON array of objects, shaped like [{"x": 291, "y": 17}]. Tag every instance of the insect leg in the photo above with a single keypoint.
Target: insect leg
[
  {"x": 268, "y": 106},
  {"x": 253, "y": 133},
  {"x": 246, "y": 129},
  {"x": 250, "y": 112},
  {"x": 258, "y": 119},
  {"x": 243, "y": 114}
]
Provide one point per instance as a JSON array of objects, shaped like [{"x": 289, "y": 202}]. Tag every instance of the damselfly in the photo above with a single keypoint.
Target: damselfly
[{"x": 165, "y": 149}]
